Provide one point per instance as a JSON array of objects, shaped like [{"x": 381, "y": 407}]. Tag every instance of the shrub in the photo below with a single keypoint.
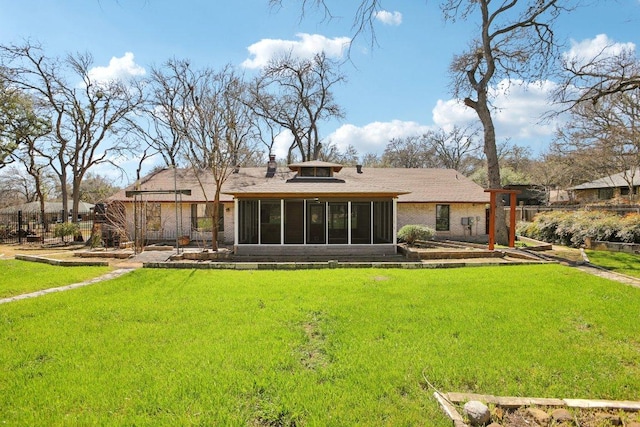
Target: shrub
[
  {"x": 410, "y": 233},
  {"x": 572, "y": 228},
  {"x": 65, "y": 229},
  {"x": 629, "y": 231}
]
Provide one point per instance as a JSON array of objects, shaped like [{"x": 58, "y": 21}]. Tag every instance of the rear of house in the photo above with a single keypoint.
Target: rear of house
[{"x": 316, "y": 207}]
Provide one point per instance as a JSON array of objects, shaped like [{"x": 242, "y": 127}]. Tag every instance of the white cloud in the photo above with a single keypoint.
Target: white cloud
[
  {"x": 374, "y": 137},
  {"x": 306, "y": 46},
  {"x": 121, "y": 68},
  {"x": 389, "y": 18},
  {"x": 520, "y": 108},
  {"x": 600, "y": 47}
]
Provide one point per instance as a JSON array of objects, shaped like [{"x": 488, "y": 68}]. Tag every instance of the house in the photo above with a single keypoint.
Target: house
[
  {"x": 618, "y": 188},
  {"x": 322, "y": 207}
]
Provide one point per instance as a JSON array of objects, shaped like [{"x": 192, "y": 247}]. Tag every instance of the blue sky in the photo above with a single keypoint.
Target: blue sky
[{"x": 396, "y": 88}]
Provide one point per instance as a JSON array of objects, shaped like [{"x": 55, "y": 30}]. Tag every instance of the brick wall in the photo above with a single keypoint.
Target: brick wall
[{"x": 425, "y": 214}]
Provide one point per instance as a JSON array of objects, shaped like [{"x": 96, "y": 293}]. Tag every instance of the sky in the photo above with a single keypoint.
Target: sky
[{"x": 396, "y": 86}]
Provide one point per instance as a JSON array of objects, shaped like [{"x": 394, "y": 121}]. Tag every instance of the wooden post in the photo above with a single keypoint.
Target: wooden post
[
  {"x": 492, "y": 216},
  {"x": 512, "y": 221},
  {"x": 492, "y": 220}
]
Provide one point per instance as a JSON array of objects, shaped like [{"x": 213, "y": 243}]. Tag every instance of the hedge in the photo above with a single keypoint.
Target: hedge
[{"x": 572, "y": 228}]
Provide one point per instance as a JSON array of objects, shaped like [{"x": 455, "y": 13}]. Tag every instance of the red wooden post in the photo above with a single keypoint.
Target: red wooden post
[
  {"x": 492, "y": 216},
  {"x": 492, "y": 220},
  {"x": 512, "y": 221}
]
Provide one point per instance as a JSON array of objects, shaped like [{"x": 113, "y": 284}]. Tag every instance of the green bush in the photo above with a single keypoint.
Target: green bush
[
  {"x": 572, "y": 228},
  {"x": 410, "y": 233},
  {"x": 65, "y": 229}
]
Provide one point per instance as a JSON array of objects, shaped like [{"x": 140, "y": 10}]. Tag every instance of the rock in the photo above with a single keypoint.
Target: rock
[
  {"x": 612, "y": 419},
  {"x": 633, "y": 424},
  {"x": 561, "y": 415},
  {"x": 540, "y": 416},
  {"x": 494, "y": 425},
  {"x": 477, "y": 413}
]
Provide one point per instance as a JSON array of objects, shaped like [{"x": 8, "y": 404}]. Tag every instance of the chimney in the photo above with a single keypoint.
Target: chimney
[
  {"x": 359, "y": 168},
  {"x": 271, "y": 166}
]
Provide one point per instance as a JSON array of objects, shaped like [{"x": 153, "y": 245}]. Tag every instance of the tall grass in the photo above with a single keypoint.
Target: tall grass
[
  {"x": 19, "y": 277},
  {"x": 321, "y": 348}
]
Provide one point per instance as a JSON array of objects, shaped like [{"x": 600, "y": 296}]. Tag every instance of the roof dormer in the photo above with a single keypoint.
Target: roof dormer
[{"x": 315, "y": 171}]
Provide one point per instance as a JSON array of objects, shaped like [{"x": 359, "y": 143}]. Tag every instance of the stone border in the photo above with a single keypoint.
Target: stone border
[
  {"x": 446, "y": 401},
  {"x": 61, "y": 262},
  {"x": 319, "y": 265}
]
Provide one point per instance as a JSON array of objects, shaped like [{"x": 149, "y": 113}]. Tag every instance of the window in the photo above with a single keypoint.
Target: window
[
  {"x": 382, "y": 222},
  {"x": 270, "y": 215},
  {"x": 442, "y": 217},
  {"x": 293, "y": 222},
  {"x": 316, "y": 223},
  {"x": 605, "y": 193},
  {"x": 153, "y": 217},
  {"x": 248, "y": 221},
  {"x": 361, "y": 223},
  {"x": 338, "y": 223},
  {"x": 201, "y": 217},
  {"x": 318, "y": 172}
]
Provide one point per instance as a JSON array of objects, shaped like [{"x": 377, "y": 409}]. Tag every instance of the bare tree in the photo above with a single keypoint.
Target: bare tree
[
  {"x": 89, "y": 119},
  {"x": 515, "y": 40},
  {"x": 165, "y": 109},
  {"x": 604, "y": 136},
  {"x": 455, "y": 149},
  {"x": 609, "y": 72},
  {"x": 214, "y": 120},
  {"x": 296, "y": 95},
  {"x": 409, "y": 152}
]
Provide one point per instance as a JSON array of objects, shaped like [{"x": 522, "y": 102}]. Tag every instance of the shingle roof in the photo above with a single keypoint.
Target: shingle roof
[
  {"x": 617, "y": 180},
  {"x": 410, "y": 185}
]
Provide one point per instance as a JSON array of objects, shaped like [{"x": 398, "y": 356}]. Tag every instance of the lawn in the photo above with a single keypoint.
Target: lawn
[
  {"x": 313, "y": 348},
  {"x": 20, "y": 277},
  {"x": 619, "y": 262}
]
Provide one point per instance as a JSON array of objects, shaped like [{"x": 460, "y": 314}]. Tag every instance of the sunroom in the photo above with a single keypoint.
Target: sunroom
[{"x": 314, "y": 213}]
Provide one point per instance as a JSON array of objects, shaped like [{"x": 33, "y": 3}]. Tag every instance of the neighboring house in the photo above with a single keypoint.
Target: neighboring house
[
  {"x": 612, "y": 188},
  {"x": 323, "y": 207}
]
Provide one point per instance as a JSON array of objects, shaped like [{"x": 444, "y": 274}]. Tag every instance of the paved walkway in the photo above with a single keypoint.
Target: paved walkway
[{"x": 111, "y": 275}]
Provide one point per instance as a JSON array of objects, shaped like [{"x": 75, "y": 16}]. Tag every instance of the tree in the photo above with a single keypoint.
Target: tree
[
  {"x": 455, "y": 149},
  {"x": 18, "y": 121},
  {"x": 515, "y": 41},
  {"x": 96, "y": 188},
  {"x": 409, "y": 152},
  {"x": 604, "y": 137},
  {"x": 90, "y": 119},
  {"x": 166, "y": 104},
  {"x": 295, "y": 95},
  {"x": 213, "y": 119},
  {"x": 610, "y": 71}
]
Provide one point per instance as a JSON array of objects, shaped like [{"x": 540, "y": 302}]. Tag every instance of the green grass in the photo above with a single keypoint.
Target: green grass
[
  {"x": 20, "y": 277},
  {"x": 619, "y": 262},
  {"x": 313, "y": 348}
]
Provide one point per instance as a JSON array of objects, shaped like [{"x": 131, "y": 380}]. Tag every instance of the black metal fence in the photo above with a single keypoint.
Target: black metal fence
[{"x": 34, "y": 227}]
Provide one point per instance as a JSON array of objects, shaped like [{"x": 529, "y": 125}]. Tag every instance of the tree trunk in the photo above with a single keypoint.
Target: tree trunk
[{"x": 493, "y": 169}]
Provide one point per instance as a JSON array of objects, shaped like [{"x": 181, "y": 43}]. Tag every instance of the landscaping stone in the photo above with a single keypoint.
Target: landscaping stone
[
  {"x": 611, "y": 419},
  {"x": 540, "y": 416},
  {"x": 561, "y": 415},
  {"x": 477, "y": 413}
]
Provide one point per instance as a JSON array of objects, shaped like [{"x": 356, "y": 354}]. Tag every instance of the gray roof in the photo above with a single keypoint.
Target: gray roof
[
  {"x": 410, "y": 185},
  {"x": 49, "y": 207},
  {"x": 621, "y": 179}
]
